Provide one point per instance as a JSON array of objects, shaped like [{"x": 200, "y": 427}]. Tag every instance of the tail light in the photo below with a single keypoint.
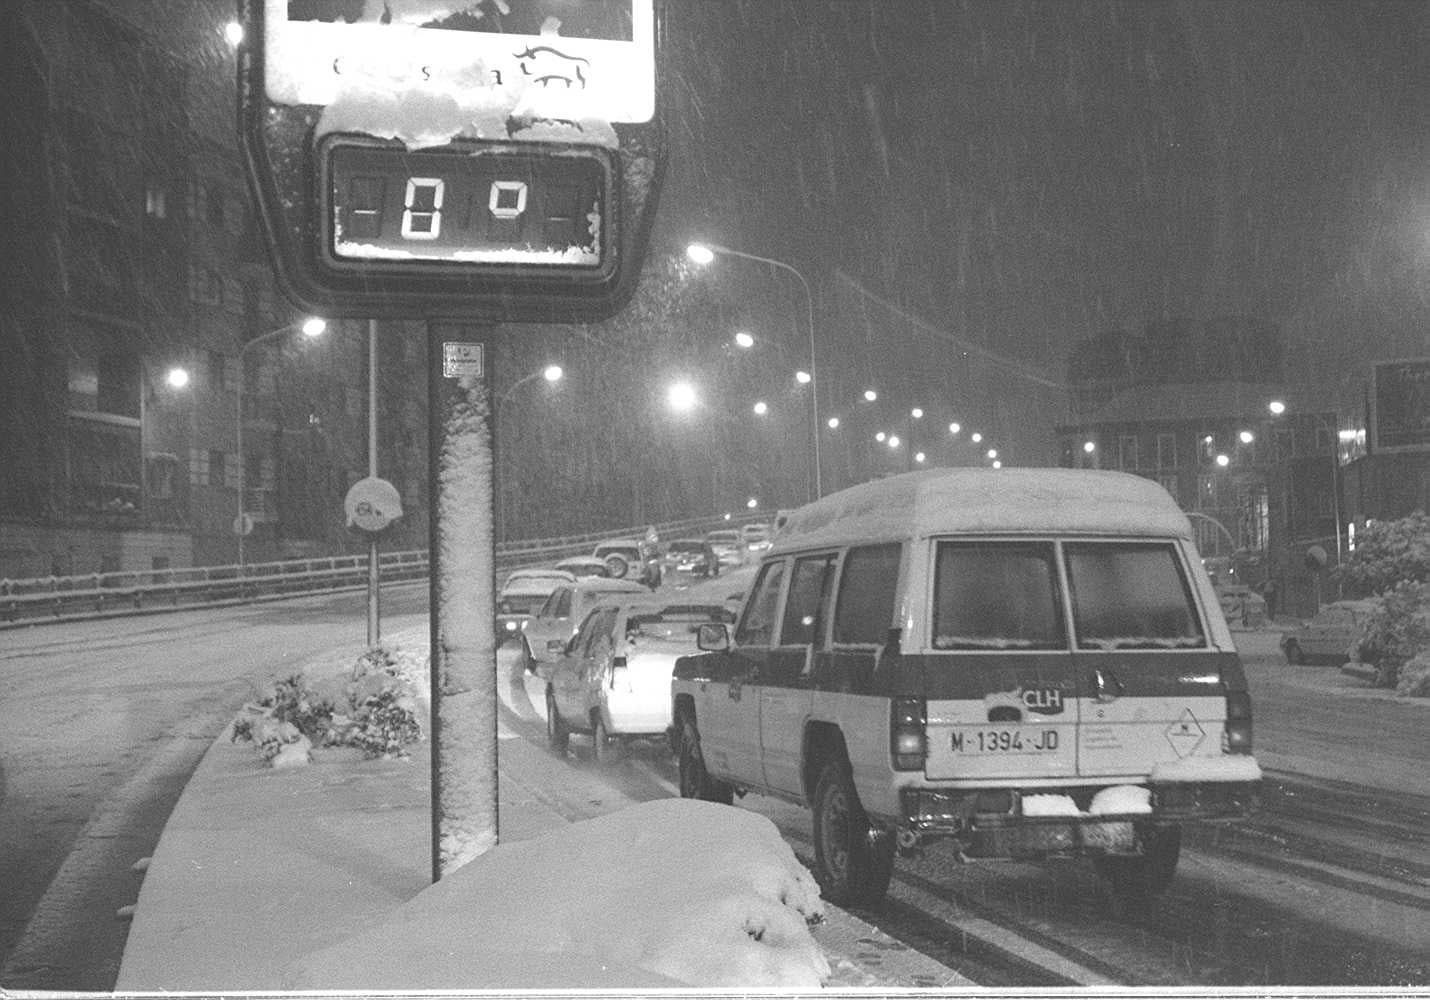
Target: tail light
[
  {"x": 1237, "y": 738},
  {"x": 908, "y": 741}
]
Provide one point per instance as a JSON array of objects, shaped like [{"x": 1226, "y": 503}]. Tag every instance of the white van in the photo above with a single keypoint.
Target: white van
[{"x": 1030, "y": 662}]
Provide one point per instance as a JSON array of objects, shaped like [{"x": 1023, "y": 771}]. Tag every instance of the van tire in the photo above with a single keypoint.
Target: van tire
[
  {"x": 601, "y": 749},
  {"x": 557, "y": 735},
  {"x": 695, "y": 781},
  {"x": 853, "y": 860},
  {"x": 1139, "y": 879},
  {"x": 617, "y": 566}
]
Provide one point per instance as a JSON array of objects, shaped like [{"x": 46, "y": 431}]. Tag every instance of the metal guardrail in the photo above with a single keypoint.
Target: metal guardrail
[{"x": 127, "y": 592}]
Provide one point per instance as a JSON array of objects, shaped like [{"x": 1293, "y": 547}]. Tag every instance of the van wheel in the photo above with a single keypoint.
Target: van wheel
[
  {"x": 617, "y": 567},
  {"x": 1294, "y": 656},
  {"x": 602, "y": 751},
  {"x": 853, "y": 860},
  {"x": 1136, "y": 881},
  {"x": 557, "y": 736},
  {"x": 695, "y": 781}
]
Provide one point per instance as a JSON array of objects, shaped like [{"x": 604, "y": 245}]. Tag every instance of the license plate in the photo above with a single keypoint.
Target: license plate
[{"x": 1004, "y": 741}]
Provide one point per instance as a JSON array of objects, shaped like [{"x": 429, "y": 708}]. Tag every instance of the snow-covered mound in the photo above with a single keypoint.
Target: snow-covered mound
[{"x": 674, "y": 892}]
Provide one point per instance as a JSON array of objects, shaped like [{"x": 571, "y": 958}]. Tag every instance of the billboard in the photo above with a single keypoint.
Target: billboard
[{"x": 1400, "y": 405}]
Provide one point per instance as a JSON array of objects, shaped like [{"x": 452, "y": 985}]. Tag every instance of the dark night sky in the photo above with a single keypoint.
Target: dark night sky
[{"x": 1024, "y": 175}]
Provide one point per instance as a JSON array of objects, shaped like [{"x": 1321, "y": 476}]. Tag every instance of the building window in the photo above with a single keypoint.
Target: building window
[
  {"x": 162, "y": 474},
  {"x": 155, "y": 202},
  {"x": 229, "y": 464},
  {"x": 205, "y": 285},
  {"x": 1284, "y": 440},
  {"x": 1167, "y": 451},
  {"x": 1206, "y": 492},
  {"x": 199, "y": 467},
  {"x": 1127, "y": 451}
]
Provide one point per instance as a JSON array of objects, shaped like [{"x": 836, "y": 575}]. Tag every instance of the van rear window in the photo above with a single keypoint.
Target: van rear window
[
  {"x": 1130, "y": 596},
  {"x": 996, "y": 595}
]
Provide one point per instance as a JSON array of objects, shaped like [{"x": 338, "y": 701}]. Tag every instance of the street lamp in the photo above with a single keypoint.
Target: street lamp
[
  {"x": 551, "y": 373},
  {"x": 681, "y": 397},
  {"x": 705, "y": 253},
  {"x": 311, "y": 327},
  {"x": 1277, "y": 408}
]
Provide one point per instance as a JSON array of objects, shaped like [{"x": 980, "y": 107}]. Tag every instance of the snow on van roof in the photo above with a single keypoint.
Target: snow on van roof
[{"x": 1013, "y": 501}]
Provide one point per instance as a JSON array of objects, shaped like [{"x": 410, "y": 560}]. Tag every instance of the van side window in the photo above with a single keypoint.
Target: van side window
[
  {"x": 864, "y": 612},
  {"x": 996, "y": 595},
  {"x": 807, "y": 607},
  {"x": 757, "y": 626},
  {"x": 1130, "y": 596}
]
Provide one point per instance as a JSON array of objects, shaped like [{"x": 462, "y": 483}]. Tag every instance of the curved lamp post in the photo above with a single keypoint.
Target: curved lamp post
[
  {"x": 704, "y": 253},
  {"x": 311, "y": 327}
]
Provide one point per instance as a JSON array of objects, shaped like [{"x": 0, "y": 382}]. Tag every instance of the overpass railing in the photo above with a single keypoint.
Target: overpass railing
[{"x": 126, "y": 592}]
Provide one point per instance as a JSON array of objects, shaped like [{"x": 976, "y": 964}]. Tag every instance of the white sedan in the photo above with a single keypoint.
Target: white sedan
[{"x": 613, "y": 679}]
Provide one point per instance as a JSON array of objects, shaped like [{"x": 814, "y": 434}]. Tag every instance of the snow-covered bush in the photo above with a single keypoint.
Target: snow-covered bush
[
  {"x": 1397, "y": 631},
  {"x": 1392, "y": 561},
  {"x": 1415, "y": 678},
  {"x": 373, "y": 706}
]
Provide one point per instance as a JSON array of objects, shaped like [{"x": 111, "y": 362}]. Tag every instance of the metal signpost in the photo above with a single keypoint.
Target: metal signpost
[{"x": 469, "y": 172}]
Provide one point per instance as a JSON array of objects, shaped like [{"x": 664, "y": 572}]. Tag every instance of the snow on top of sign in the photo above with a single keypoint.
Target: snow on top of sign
[
  {"x": 420, "y": 117},
  {"x": 990, "y": 500}
]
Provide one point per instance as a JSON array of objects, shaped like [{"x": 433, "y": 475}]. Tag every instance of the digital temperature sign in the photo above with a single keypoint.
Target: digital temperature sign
[
  {"x": 499, "y": 161},
  {"x": 514, "y": 207}
]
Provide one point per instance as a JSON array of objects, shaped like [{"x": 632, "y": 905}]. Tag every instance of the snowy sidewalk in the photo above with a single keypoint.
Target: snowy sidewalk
[{"x": 258, "y": 868}]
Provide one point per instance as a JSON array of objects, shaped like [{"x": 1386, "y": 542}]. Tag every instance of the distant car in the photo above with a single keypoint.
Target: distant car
[
  {"x": 613, "y": 678},
  {"x": 1241, "y": 605},
  {"x": 634, "y": 558},
  {"x": 1329, "y": 637},
  {"x": 525, "y": 590},
  {"x": 728, "y": 546},
  {"x": 692, "y": 556},
  {"x": 579, "y": 566},
  {"x": 546, "y": 633},
  {"x": 757, "y": 537}
]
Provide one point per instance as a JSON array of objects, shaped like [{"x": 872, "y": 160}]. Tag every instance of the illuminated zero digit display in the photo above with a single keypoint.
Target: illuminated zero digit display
[
  {"x": 506, "y": 207},
  {"x": 508, "y": 199},
  {"x": 422, "y": 214}
]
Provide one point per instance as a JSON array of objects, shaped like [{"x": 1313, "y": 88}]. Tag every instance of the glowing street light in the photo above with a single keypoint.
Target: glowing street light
[
  {"x": 1089, "y": 447},
  {"x": 743, "y": 339},
  {"x": 705, "y": 253},
  {"x": 803, "y": 377},
  {"x": 870, "y": 395},
  {"x": 681, "y": 397},
  {"x": 976, "y": 438},
  {"x": 955, "y": 427},
  {"x": 1246, "y": 437},
  {"x": 919, "y": 457},
  {"x": 752, "y": 503},
  {"x": 917, "y": 413},
  {"x": 992, "y": 452},
  {"x": 176, "y": 378},
  {"x": 893, "y": 440},
  {"x": 881, "y": 437},
  {"x": 833, "y": 423},
  {"x": 1223, "y": 460},
  {"x": 761, "y": 408},
  {"x": 311, "y": 327},
  {"x": 233, "y": 31},
  {"x": 1277, "y": 407}
]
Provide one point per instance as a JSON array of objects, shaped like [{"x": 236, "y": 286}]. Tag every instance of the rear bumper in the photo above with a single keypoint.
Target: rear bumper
[{"x": 991, "y": 823}]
